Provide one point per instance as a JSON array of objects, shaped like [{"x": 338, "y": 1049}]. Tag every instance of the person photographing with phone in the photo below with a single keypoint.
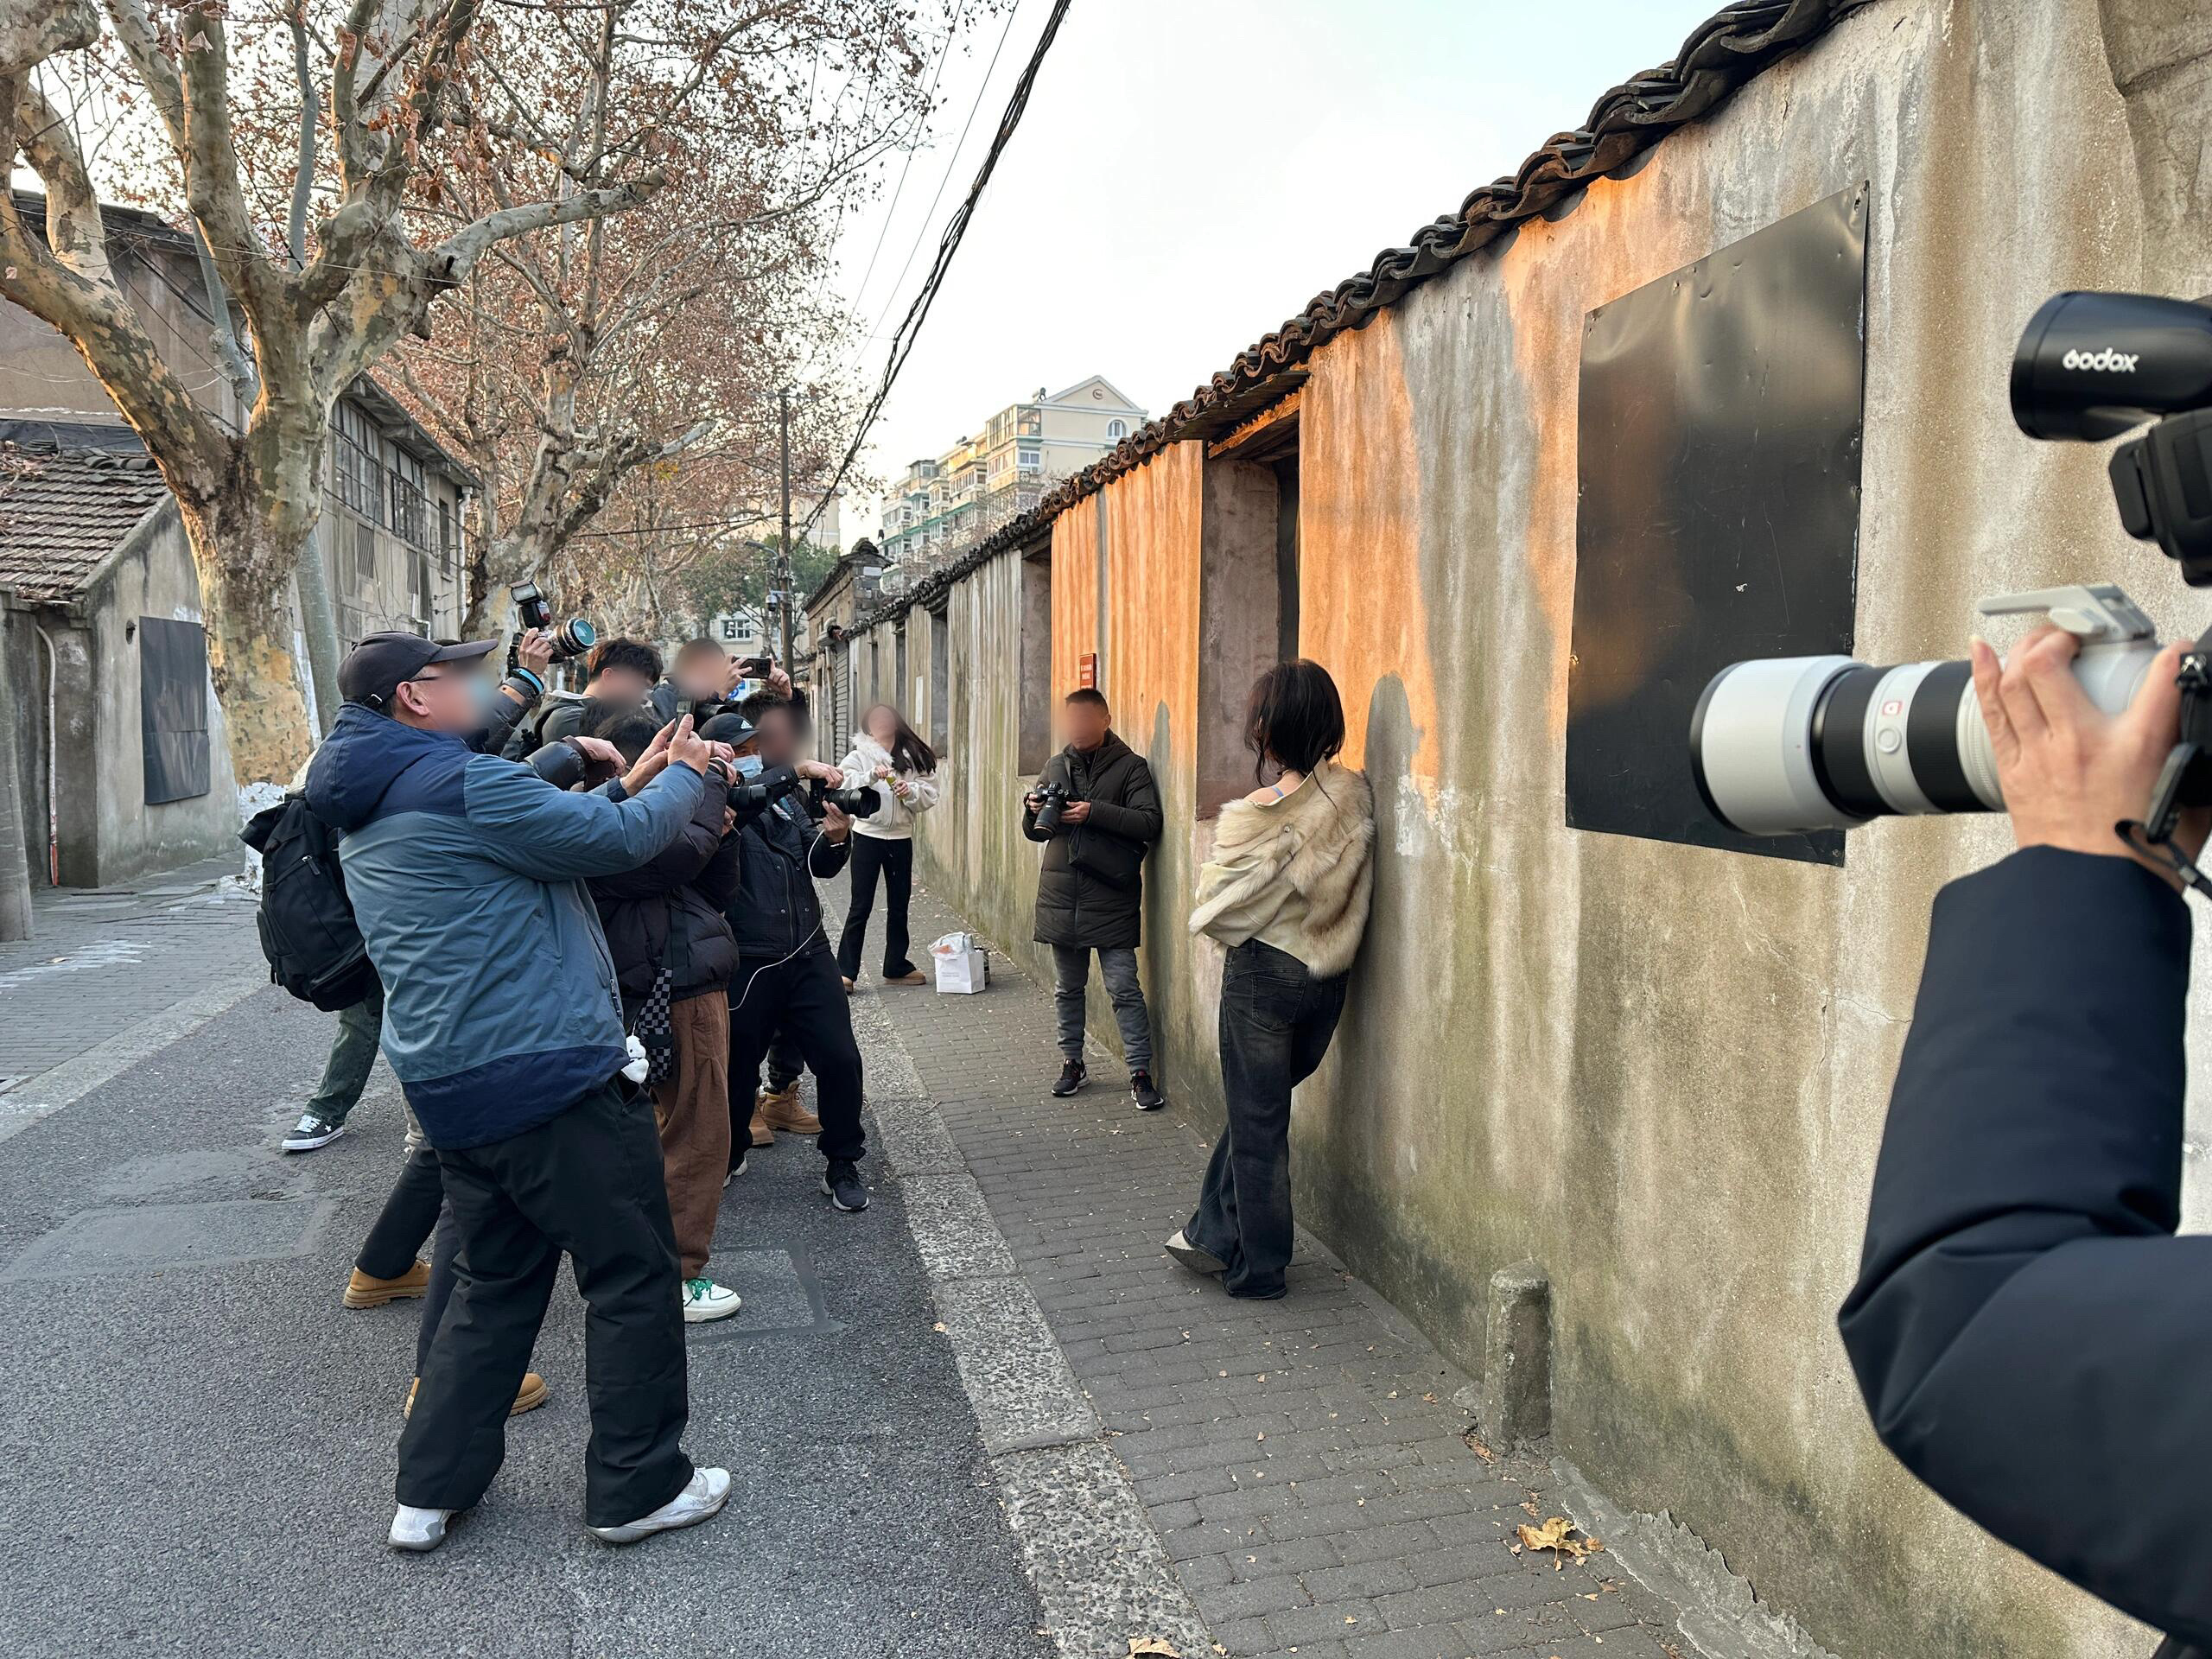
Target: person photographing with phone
[{"x": 2026, "y": 1330}]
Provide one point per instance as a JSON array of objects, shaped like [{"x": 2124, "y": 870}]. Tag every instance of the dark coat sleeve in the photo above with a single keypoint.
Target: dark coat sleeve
[
  {"x": 677, "y": 864},
  {"x": 718, "y": 882},
  {"x": 2029, "y": 1336},
  {"x": 825, "y": 857},
  {"x": 506, "y": 714},
  {"x": 1136, "y": 817}
]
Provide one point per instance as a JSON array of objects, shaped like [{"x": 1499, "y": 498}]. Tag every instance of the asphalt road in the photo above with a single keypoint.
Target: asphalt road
[{"x": 198, "y": 1441}]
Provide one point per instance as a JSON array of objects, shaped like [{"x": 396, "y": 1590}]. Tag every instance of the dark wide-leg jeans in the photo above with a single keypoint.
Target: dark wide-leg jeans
[
  {"x": 588, "y": 1182},
  {"x": 894, "y": 858},
  {"x": 1276, "y": 1021}
]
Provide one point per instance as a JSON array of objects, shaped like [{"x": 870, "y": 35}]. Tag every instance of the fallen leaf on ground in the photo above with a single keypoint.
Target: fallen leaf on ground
[
  {"x": 1477, "y": 1445},
  {"x": 1562, "y": 1537},
  {"x": 1152, "y": 1644},
  {"x": 938, "y": 1327},
  {"x": 1430, "y": 1398}
]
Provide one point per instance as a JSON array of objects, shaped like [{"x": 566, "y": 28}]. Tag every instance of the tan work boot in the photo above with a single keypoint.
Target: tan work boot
[
  {"x": 362, "y": 1291},
  {"x": 779, "y": 1109},
  {"x": 762, "y": 1135},
  {"x": 529, "y": 1397},
  {"x": 917, "y": 977}
]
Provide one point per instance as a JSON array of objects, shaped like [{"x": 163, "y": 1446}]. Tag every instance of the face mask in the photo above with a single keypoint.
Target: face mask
[
  {"x": 484, "y": 698},
  {"x": 749, "y": 766}
]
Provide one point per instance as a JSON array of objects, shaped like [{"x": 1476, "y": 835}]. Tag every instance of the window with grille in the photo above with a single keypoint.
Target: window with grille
[{"x": 357, "y": 464}]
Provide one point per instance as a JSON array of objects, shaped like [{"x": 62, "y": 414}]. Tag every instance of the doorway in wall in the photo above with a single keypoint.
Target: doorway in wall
[{"x": 1248, "y": 590}]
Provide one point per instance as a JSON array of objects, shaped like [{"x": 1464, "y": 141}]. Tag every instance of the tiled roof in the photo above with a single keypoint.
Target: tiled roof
[
  {"x": 61, "y": 514},
  {"x": 1721, "y": 53}
]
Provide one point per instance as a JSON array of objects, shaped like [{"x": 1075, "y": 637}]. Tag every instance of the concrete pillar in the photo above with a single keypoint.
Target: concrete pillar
[
  {"x": 1517, "y": 1403},
  {"x": 15, "y": 871}
]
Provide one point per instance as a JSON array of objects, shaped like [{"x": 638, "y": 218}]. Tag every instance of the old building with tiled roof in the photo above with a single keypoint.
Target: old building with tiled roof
[{"x": 120, "y": 751}]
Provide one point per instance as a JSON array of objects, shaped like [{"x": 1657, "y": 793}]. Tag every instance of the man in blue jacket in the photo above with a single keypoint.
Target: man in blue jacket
[
  {"x": 2031, "y": 1338},
  {"x": 502, "y": 1022}
]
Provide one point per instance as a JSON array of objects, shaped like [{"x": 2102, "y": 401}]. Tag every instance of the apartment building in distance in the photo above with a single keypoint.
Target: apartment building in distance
[{"x": 943, "y": 504}]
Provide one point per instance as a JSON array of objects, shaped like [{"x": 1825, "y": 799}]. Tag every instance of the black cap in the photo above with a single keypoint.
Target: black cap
[{"x": 373, "y": 669}]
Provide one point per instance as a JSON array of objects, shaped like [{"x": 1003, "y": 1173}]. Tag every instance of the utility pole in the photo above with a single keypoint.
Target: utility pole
[{"x": 784, "y": 551}]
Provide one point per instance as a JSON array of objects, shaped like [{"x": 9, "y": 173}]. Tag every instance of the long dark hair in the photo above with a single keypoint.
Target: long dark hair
[
  {"x": 908, "y": 752},
  {"x": 1295, "y": 718}
]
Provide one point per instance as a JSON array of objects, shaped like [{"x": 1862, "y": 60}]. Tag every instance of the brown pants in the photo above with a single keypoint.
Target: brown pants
[{"x": 693, "y": 1110}]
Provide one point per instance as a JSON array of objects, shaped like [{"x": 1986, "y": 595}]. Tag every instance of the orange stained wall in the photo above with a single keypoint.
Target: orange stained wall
[{"x": 1149, "y": 668}]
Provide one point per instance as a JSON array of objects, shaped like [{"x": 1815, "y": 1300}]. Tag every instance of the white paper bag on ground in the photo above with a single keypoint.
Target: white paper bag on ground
[{"x": 963, "y": 967}]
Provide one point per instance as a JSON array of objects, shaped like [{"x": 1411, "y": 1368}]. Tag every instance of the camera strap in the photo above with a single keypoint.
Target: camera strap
[{"x": 2186, "y": 779}]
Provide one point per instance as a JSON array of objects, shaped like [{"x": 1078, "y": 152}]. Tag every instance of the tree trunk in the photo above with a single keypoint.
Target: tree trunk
[{"x": 245, "y": 562}]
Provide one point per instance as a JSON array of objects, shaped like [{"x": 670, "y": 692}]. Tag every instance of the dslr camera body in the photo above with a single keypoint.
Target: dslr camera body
[
  {"x": 571, "y": 639},
  {"x": 1051, "y": 801},
  {"x": 1784, "y": 744}
]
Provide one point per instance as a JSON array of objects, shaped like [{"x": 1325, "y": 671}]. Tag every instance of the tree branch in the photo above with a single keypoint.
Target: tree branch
[{"x": 453, "y": 259}]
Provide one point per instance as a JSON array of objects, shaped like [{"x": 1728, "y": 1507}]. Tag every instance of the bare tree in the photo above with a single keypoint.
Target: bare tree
[
  {"x": 616, "y": 384},
  {"x": 385, "y": 91}
]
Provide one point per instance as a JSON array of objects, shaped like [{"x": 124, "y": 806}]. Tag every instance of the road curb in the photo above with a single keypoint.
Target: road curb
[
  {"x": 47, "y": 1093},
  {"x": 1102, "y": 1577}
]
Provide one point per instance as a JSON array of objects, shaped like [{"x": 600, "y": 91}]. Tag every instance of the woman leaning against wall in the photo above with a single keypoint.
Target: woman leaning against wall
[{"x": 1287, "y": 891}]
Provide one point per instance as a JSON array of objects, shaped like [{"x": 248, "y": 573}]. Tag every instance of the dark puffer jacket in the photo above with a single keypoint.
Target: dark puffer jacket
[
  {"x": 1091, "y": 892},
  {"x": 684, "y": 890},
  {"x": 777, "y": 912}
]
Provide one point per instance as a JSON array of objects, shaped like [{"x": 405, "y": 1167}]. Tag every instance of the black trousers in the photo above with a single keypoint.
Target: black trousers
[
  {"x": 895, "y": 860},
  {"x": 406, "y": 1219},
  {"x": 805, "y": 1001},
  {"x": 1276, "y": 1021},
  {"x": 588, "y": 1182},
  {"x": 785, "y": 1062}
]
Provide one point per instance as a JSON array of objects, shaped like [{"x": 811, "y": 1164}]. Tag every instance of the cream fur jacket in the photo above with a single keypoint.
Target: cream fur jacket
[{"x": 1317, "y": 844}]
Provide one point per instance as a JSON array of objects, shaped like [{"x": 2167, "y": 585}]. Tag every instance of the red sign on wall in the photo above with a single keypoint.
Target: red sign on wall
[{"x": 1090, "y": 669}]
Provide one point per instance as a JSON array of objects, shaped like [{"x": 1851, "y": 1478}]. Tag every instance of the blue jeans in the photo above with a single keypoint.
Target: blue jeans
[
  {"x": 1276, "y": 1021},
  {"x": 1071, "y": 978}
]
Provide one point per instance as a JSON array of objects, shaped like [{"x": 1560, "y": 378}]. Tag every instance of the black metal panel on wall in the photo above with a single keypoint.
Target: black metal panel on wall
[
  {"x": 1718, "y": 516},
  {"x": 173, "y": 708}
]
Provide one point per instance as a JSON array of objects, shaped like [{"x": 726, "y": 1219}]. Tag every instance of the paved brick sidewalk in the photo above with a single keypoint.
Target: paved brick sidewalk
[
  {"x": 1303, "y": 1460},
  {"x": 104, "y": 959}
]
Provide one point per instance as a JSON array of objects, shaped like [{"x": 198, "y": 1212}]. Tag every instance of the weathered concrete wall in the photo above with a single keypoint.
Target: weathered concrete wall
[
  {"x": 109, "y": 833},
  {"x": 1659, "y": 1072}
]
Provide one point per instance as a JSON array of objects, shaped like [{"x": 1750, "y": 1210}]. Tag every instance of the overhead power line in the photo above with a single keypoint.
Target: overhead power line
[{"x": 909, "y": 326}]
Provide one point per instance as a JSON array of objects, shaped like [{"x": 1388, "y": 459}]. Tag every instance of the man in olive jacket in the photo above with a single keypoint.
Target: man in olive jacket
[{"x": 1091, "y": 893}]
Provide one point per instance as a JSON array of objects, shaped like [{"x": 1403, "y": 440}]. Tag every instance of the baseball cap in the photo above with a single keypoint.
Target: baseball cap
[{"x": 373, "y": 669}]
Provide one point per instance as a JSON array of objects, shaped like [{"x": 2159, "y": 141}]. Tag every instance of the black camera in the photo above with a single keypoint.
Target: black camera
[
  {"x": 1051, "y": 800},
  {"x": 852, "y": 803},
  {"x": 750, "y": 796},
  {"x": 570, "y": 639}
]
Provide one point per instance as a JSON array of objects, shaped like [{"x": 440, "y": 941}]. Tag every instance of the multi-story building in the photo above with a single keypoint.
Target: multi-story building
[{"x": 943, "y": 504}]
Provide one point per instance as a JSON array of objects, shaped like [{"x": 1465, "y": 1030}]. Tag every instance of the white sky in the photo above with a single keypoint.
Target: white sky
[{"x": 1191, "y": 172}]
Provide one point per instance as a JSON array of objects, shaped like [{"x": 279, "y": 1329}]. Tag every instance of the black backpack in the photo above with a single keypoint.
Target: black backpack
[{"x": 308, "y": 931}]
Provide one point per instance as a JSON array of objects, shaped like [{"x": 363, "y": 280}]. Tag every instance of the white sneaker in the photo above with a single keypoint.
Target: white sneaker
[
  {"x": 1191, "y": 1257},
  {"x": 705, "y": 1301},
  {"x": 419, "y": 1529},
  {"x": 701, "y": 1500}
]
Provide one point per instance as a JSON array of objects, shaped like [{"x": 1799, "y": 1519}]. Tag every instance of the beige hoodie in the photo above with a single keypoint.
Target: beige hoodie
[
  {"x": 908, "y": 794},
  {"x": 1295, "y": 874}
]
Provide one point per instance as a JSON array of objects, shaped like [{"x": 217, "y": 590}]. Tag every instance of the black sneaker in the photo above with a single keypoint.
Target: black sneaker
[
  {"x": 842, "y": 1181},
  {"x": 1072, "y": 1078},
  {"x": 1148, "y": 1099},
  {"x": 311, "y": 1132}
]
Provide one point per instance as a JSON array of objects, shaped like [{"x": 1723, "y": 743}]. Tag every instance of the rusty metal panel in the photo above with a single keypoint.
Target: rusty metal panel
[{"x": 1718, "y": 519}]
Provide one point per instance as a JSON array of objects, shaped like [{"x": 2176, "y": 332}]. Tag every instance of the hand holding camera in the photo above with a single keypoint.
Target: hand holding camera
[
  {"x": 1049, "y": 804},
  {"x": 534, "y": 651},
  {"x": 2068, "y": 770}
]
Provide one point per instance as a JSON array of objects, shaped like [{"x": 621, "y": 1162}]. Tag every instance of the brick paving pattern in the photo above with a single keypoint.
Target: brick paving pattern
[
  {"x": 105, "y": 957},
  {"x": 1303, "y": 1460}
]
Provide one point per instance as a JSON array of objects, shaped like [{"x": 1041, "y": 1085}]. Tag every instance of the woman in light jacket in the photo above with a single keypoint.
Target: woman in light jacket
[
  {"x": 888, "y": 757},
  {"x": 1287, "y": 892}
]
